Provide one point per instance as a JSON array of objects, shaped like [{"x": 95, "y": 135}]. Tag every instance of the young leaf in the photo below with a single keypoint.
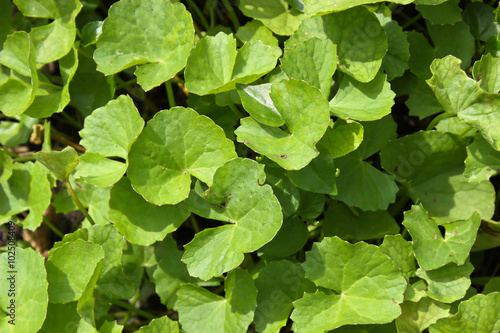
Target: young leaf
[
  {"x": 480, "y": 313},
  {"x": 201, "y": 311},
  {"x": 24, "y": 282},
  {"x": 299, "y": 104},
  {"x": 401, "y": 254},
  {"x": 342, "y": 267},
  {"x": 108, "y": 132},
  {"x": 142, "y": 223},
  {"x": 279, "y": 284},
  {"x": 251, "y": 210},
  {"x": 160, "y": 325},
  {"x": 215, "y": 66},
  {"x": 314, "y": 61},
  {"x": 482, "y": 160},
  {"x": 363, "y": 101},
  {"x": 60, "y": 163},
  {"x": 54, "y": 40},
  {"x": 170, "y": 150},
  {"x": 432, "y": 250},
  {"x": 276, "y": 15},
  {"x": 417, "y": 316},
  {"x": 448, "y": 283},
  {"x": 361, "y": 41},
  {"x": 160, "y": 50},
  {"x": 18, "y": 89},
  {"x": 70, "y": 268},
  {"x": 256, "y": 100},
  {"x": 26, "y": 189}
]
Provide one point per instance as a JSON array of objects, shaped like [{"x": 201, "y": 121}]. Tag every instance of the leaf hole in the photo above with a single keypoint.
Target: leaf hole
[{"x": 442, "y": 230}]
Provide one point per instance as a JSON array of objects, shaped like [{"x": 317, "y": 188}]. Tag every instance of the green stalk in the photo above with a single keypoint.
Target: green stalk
[
  {"x": 126, "y": 84},
  {"x": 232, "y": 14},
  {"x": 465, "y": 130},
  {"x": 53, "y": 227},
  {"x": 129, "y": 312},
  {"x": 24, "y": 159},
  {"x": 412, "y": 20},
  {"x": 11, "y": 154},
  {"x": 71, "y": 120},
  {"x": 437, "y": 119},
  {"x": 170, "y": 94},
  {"x": 194, "y": 223},
  {"x": 199, "y": 13},
  {"x": 132, "y": 308},
  {"x": 78, "y": 203}
]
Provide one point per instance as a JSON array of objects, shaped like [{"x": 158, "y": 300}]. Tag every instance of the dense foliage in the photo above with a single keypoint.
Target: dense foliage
[{"x": 250, "y": 166}]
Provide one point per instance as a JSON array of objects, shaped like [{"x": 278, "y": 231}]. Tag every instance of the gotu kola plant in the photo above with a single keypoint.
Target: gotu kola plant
[{"x": 250, "y": 166}]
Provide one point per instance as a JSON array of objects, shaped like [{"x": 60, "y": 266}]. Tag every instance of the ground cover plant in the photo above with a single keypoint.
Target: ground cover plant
[{"x": 249, "y": 166}]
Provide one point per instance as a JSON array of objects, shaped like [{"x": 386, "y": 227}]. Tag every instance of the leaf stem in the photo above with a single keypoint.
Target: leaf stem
[
  {"x": 24, "y": 159},
  {"x": 232, "y": 14},
  {"x": 234, "y": 109},
  {"x": 53, "y": 227},
  {"x": 129, "y": 312},
  {"x": 194, "y": 223},
  {"x": 437, "y": 119},
  {"x": 199, "y": 13},
  {"x": 170, "y": 94},
  {"x": 412, "y": 20},
  {"x": 71, "y": 120},
  {"x": 78, "y": 203},
  {"x": 132, "y": 308},
  {"x": 11, "y": 154},
  {"x": 124, "y": 84},
  {"x": 464, "y": 131}
]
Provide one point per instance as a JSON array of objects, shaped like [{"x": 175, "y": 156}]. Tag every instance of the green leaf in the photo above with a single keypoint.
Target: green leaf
[
  {"x": 169, "y": 150},
  {"x": 395, "y": 61},
  {"x": 19, "y": 84},
  {"x": 361, "y": 41},
  {"x": 363, "y": 101},
  {"x": 254, "y": 31},
  {"x": 86, "y": 303},
  {"x": 215, "y": 66},
  {"x": 256, "y": 100},
  {"x": 311, "y": 205},
  {"x": 448, "y": 283},
  {"x": 421, "y": 55},
  {"x": 314, "y": 61},
  {"x": 422, "y": 102},
  {"x": 5, "y": 166},
  {"x": 276, "y": 15},
  {"x": 481, "y": 20},
  {"x": 482, "y": 160},
  {"x": 60, "y": 163},
  {"x": 417, "y": 316},
  {"x": 69, "y": 269},
  {"x": 160, "y": 325},
  {"x": 51, "y": 98},
  {"x": 480, "y": 313},
  {"x": 88, "y": 97},
  {"x": 5, "y": 20},
  {"x": 14, "y": 133},
  {"x": 401, "y": 254},
  {"x": 54, "y": 40},
  {"x": 289, "y": 240},
  {"x": 279, "y": 284},
  {"x": 487, "y": 72},
  {"x": 379, "y": 189},
  {"x": 160, "y": 50},
  {"x": 342, "y": 222},
  {"x": 112, "y": 282},
  {"x": 343, "y": 138},
  {"x": 171, "y": 273},
  {"x": 108, "y": 132},
  {"x": 432, "y": 250},
  {"x": 342, "y": 267},
  {"x": 201, "y": 311},
  {"x": 317, "y": 177},
  {"x": 321, "y": 7},
  {"x": 65, "y": 313},
  {"x": 251, "y": 210},
  {"x": 453, "y": 40},
  {"x": 142, "y": 223},
  {"x": 26, "y": 189},
  {"x": 446, "y": 13},
  {"x": 430, "y": 165},
  {"x": 288, "y": 195},
  {"x": 25, "y": 283},
  {"x": 299, "y": 104}
]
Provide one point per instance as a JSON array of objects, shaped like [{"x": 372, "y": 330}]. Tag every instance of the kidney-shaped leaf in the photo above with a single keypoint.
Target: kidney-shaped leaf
[
  {"x": 170, "y": 149},
  {"x": 257, "y": 101},
  {"x": 366, "y": 287},
  {"x": 60, "y": 163},
  {"x": 306, "y": 115},
  {"x": 215, "y": 66},
  {"x": 251, "y": 209},
  {"x": 156, "y": 35},
  {"x": 160, "y": 325}
]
